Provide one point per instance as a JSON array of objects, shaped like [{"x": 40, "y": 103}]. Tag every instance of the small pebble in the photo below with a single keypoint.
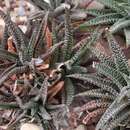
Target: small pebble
[
  {"x": 81, "y": 127},
  {"x": 29, "y": 126}
]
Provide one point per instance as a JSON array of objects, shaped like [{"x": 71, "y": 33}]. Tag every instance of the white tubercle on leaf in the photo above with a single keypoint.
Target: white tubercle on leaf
[
  {"x": 66, "y": 5},
  {"x": 37, "y": 61}
]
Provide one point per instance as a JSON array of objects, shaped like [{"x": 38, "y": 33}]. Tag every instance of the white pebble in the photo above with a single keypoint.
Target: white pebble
[{"x": 29, "y": 126}]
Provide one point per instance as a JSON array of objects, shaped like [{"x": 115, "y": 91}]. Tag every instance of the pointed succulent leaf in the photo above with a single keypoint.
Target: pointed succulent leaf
[
  {"x": 119, "y": 58},
  {"x": 4, "y": 106},
  {"x": 97, "y": 93},
  {"x": 104, "y": 58},
  {"x": 113, "y": 4},
  {"x": 104, "y": 84},
  {"x": 41, "y": 4},
  {"x": 110, "y": 113},
  {"x": 69, "y": 91},
  {"x": 127, "y": 34},
  {"x": 123, "y": 117},
  {"x": 96, "y": 12},
  {"x": 104, "y": 19},
  {"x": 14, "y": 30},
  {"x": 120, "y": 25},
  {"x": 84, "y": 47},
  {"x": 16, "y": 70},
  {"x": 4, "y": 54},
  {"x": 5, "y": 38},
  {"x": 67, "y": 48},
  {"x": 111, "y": 73}
]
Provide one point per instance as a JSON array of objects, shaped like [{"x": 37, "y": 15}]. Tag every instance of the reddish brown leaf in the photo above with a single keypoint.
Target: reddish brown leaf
[
  {"x": 11, "y": 47},
  {"x": 48, "y": 37},
  {"x": 43, "y": 67},
  {"x": 55, "y": 89},
  {"x": 91, "y": 117}
]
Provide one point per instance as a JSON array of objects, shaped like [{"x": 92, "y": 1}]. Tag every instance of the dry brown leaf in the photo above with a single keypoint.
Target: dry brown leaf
[
  {"x": 11, "y": 47},
  {"x": 48, "y": 37},
  {"x": 55, "y": 89},
  {"x": 43, "y": 67}
]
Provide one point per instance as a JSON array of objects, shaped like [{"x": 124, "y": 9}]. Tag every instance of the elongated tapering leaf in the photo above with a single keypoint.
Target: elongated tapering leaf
[
  {"x": 14, "y": 30},
  {"x": 104, "y": 84},
  {"x": 67, "y": 48},
  {"x": 16, "y": 70},
  {"x": 96, "y": 12},
  {"x": 104, "y": 19},
  {"x": 122, "y": 118},
  {"x": 55, "y": 55},
  {"x": 113, "y": 4},
  {"x": 104, "y": 58},
  {"x": 112, "y": 111},
  {"x": 119, "y": 58},
  {"x": 97, "y": 93},
  {"x": 113, "y": 74},
  {"x": 41, "y": 4},
  {"x": 127, "y": 34},
  {"x": 84, "y": 48},
  {"x": 5, "y": 38},
  {"x": 69, "y": 91},
  {"x": 120, "y": 25},
  {"x": 5, "y": 55},
  {"x": 4, "y": 106}
]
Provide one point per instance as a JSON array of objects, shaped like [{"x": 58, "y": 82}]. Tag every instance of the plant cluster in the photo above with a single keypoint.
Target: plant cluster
[
  {"x": 110, "y": 100},
  {"x": 38, "y": 64},
  {"x": 115, "y": 13}
]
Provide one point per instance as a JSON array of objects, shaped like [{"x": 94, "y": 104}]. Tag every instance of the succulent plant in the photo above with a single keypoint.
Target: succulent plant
[
  {"x": 111, "y": 98},
  {"x": 116, "y": 14},
  {"x": 42, "y": 87}
]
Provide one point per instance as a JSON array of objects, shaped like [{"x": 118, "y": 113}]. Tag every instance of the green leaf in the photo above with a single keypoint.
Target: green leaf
[
  {"x": 113, "y": 110},
  {"x": 111, "y": 73},
  {"x": 67, "y": 47},
  {"x": 103, "y": 58},
  {"x": 104, "y": 84},
  {"x": 45, "y": 115},
  {"x": 112, "y": 4},
  {"x": 96, "y": 93},
  {"x": 78, "y": 69},
  {"x": 84, "y": 47},
  {"x": 14, "y": 30},
  {"x": 8, "y": 106},
  {"x": 4, "y": 54},
  {"x": 119, "y": 58},
  {"x": 121, "y": 24},
  {"x": 5, "y": 38},
  {"x": 69, "y": 91},
  {"x": 102, "y": 19},
  {"x": 96, "y": 12}
]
